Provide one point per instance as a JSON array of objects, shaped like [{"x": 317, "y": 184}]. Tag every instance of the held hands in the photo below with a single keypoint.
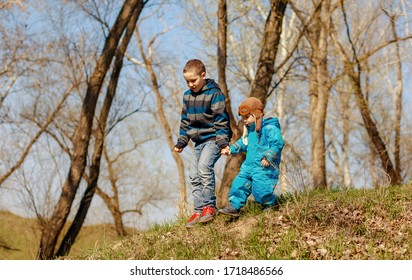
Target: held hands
[
  {"x": 225, "y": 151},
  {"x": 265, "y": 162},
  {"x": 178, "y": 150}
]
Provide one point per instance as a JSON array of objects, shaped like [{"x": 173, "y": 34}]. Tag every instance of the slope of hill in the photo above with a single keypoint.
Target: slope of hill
[
  {"x": 19, "y": 237},
  {"x": 315, "y": 225}
]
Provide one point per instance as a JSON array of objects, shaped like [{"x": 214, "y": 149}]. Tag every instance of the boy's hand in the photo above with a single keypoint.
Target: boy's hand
[
  {"x": 178, "y": 150},
  {"x": 265, "y": 162},
  {"x": 225, "y": 151}
]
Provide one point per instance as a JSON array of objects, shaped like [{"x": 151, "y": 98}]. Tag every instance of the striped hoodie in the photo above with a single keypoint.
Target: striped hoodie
[{"x": 204, "y": 117}]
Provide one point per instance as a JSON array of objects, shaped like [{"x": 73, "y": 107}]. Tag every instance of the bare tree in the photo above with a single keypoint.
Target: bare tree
[
  {"x": 148, "y": 62},
  {"x": 81, "y": 137},
  {"x": 319, "y": 91},
  {"x": 100, "y": 132},
  {"x": 397, "y": 98},
  {"x": 17, "y": 62},
  {"x": 42, "y": 129},
  {"x": 233, "y": 162},
  {"x": 344, "y": 99},
  {"x": 319, "y": 86},
  {"x": 270, "y": 44},
  {"x": 353, "y": 67}
]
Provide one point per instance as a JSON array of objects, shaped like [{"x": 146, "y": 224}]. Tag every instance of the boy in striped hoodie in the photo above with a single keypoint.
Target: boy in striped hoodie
[{"x": 205, "y": 121}]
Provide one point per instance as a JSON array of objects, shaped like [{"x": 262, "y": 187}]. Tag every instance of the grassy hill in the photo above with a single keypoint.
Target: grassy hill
[
  {"x": 19, "y": 237},
  {"x": 316, "y": 225}
]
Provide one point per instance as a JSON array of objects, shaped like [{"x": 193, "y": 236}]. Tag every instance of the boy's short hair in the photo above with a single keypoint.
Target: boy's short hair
[{"x": 194, "y": 65}]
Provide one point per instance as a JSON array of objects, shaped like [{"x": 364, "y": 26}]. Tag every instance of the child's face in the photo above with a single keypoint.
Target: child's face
[
  {"x": 248, "y": 119},
  {"x": 195, "y": 81}
]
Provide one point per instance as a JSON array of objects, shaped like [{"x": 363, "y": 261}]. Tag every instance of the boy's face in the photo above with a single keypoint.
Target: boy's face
[
  {"x": 248, "y": 119},
  {"x": 195, "y": 81}
]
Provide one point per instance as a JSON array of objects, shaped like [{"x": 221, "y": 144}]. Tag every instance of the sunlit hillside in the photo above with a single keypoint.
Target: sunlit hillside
[
  {"x": 315, "y": 225},
  {"x": 19, "y": 237}
]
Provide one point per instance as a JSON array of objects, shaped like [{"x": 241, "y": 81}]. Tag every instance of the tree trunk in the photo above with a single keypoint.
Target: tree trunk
[
  {"x": 260, "y": 86},
  {"x": 114, "y": 206},
  {"x": 148, "y": 64},
  {"x": 319, "y": 94},
  {"x": 347, "y": 180},
  {"x": 397, "y": 99},
  {"x": 81, "y": 137},
  {"x": 100, "y": 134},
  {"x": 371, "y": 127},
  {"x": 372, "y": 156},
  {"x": 232, "y": 163},
  {"x": 354, "y": 71},
  {"x": 271, "y": 38},
  {"x": 287, "y": 35}
]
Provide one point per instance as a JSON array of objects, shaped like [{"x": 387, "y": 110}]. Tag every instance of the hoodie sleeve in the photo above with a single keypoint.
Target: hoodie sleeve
[
  {"x": 276, "y": 143},
  {"x": 221, "y": 119},
  {"x": 183, "y": 139}
]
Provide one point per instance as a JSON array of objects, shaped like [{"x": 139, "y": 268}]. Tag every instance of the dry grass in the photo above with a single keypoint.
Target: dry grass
[
  {"x": 315, "y": 225},
  {"x": 19, "y": 237}
]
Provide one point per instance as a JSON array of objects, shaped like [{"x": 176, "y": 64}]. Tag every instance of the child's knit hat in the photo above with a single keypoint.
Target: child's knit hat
[{"x": 254, "y": 107}]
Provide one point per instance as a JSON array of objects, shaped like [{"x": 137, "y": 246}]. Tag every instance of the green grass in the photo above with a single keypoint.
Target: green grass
[{"x": 312, "y": 225}]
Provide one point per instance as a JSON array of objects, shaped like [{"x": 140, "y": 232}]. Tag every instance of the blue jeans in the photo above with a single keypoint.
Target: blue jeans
[{"x": 202, "y": 177}]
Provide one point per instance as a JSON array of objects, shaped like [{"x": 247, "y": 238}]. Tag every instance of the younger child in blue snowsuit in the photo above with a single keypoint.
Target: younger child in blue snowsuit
[{"x": 263, "y": 143}]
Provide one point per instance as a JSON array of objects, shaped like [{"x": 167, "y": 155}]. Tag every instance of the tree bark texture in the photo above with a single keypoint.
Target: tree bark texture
[
  {"x": 100, "y": 134},
  {"x": 347, "y": 179},
  {"x": 267, "y": 57},
  {"x": 397, "y": 99},
  {"x": 82, "y": 133},
  {"x": 319, "y": 93},
  {"x": 371, "y": 127},
  {"x": 232, "y": 163}
]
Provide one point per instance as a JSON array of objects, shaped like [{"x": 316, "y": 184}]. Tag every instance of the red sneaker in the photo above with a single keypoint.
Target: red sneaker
[
  {"x": 194, "y": 219},
  {"x": 207, "y": 214}
]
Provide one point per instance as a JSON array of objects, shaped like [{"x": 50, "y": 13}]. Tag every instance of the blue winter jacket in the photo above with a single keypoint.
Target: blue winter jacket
[
  {"x": 204, "y": 117},
  {"x": 268, "y": 143}
]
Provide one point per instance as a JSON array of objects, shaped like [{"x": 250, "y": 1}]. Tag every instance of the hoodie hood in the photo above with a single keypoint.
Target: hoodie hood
[
  {"x": 210, "y": 84},
  {"x": 252, "y": 127},
  {"x": 271, "y": 121},
  {"x": 265, "y": 122}
]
